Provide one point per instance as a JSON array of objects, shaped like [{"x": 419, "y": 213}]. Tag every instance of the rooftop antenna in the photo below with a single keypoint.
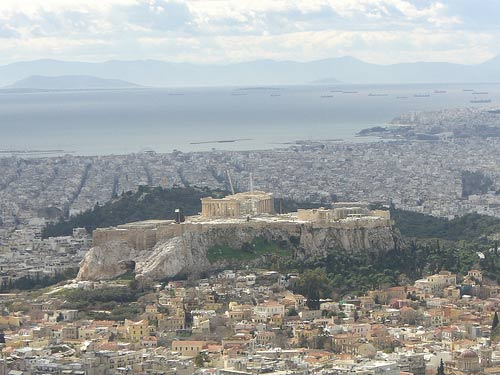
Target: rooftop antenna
[{"x": 230, "y": 181}]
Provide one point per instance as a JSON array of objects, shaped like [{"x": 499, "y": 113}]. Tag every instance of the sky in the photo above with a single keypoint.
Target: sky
[{"x": 227, "y": 31}]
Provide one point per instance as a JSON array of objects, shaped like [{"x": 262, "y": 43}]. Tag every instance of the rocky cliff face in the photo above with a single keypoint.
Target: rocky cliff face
[
  {"x": 107, "y": 261},
  {"x": 187, "y": 252}
]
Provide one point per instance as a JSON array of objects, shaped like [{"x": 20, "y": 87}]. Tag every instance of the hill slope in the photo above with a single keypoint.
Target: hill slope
[
  {"x": 470, "y": 227},
  {"x": 157, "y": 203},
  {"x": 146, "y": 203}
]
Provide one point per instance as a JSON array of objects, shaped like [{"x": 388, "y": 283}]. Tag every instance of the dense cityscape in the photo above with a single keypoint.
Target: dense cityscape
[{"x": 245, "y": 321}]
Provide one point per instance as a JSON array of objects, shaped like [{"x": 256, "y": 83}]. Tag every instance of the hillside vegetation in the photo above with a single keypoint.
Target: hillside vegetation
[
  {"x": 470, "y": 227},
  {"x": 149, "y": 203},
  {"x": 158, "y": 203},
  {"x": 257, "y": 248},
  {"x": 144, "y": 204},
  {"x": 429, "y": 245}
]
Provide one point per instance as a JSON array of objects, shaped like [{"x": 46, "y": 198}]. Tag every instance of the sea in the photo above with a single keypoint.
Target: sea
[{"x": 102, "y": 122}]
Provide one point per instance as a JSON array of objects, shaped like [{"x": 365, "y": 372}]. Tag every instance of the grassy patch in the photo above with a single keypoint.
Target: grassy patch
[
  {"x": 109, "y": 298},
  {"x": 118, "y": 313},
  {"x": 249, "y": 251}
]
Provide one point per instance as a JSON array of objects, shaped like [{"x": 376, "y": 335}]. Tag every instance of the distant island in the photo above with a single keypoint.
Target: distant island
[
  {"x": 325, "y": 81},
  {"x": 69, "y": 82}
]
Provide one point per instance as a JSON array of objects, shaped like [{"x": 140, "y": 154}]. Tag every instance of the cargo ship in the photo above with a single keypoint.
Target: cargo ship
[{"x": 480, "y": 101}]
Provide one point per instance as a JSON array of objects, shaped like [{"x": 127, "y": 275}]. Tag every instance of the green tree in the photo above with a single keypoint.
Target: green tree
[
  {"x": 292, "y": 312},
  {"x": 440, "y": 370},
  {"x": 201, "y": 359},
  {"x": 313, "y": 284},
  {"x": 495, "y": 321}
]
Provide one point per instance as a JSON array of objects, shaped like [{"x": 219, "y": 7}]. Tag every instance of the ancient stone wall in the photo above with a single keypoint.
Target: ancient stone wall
[{"x": 145, "y": 235}]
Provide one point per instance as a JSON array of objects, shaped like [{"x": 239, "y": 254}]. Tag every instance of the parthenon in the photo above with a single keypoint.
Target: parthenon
[{"x": 238, "y": 205}]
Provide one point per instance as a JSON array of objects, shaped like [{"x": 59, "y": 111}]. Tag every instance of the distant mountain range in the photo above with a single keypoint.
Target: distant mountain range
[
  {"x": 262, "y": 72},
  {"x": 69, "y": 83}
]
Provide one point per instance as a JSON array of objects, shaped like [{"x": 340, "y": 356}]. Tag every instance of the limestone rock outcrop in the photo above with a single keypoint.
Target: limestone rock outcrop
[
  {"x": 108, "y": 261},
  {"x": 186, "y": 252}
]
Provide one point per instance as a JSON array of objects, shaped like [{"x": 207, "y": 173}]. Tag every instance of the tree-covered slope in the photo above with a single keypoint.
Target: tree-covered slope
[
  {"x": 147, "y": 203},
  {"x": 158, "y": 203},
  {"x": 470, "y": 227}
]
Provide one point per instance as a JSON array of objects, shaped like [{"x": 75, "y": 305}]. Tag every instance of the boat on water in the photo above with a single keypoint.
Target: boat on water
[
  {"x": 349, "y": 92},
  {"x": 335, "y": 90},
  {"x": 327, "y": 96},
  {"x": 275, "y": 95},
  {"x": 480, "y": 101},
  {"x": 421, "y": 95},
  {"x": 439, "y": 91},
  {"x": 467, "y": 90},
  {"x": 401, "y": 97},
  {"x": 480, "y": 93},
  {"x": 375, "y": 94}
]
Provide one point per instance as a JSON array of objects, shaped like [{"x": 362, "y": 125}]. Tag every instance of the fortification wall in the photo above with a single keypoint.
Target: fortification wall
[
  {"x": 145, "y": 235},
  {"x": 102, "y": 235}
]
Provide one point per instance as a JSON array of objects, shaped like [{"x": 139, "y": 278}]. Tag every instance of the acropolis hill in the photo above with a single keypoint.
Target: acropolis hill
[{"x": 157, "y": 249}]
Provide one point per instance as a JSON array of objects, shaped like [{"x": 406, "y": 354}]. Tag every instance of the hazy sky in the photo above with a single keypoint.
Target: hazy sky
[{"x": 202, "y": 31}]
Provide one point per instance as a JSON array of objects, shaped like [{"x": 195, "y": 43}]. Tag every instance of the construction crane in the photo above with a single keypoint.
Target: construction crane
[
  {"x": 252, "y": 201},
  {"x": 230, "y": 181}
]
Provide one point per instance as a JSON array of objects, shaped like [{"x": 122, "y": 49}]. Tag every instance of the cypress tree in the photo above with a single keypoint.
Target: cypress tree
[
  {"x": 440, "y": 370},
  {"x": 495, "y": 321}
]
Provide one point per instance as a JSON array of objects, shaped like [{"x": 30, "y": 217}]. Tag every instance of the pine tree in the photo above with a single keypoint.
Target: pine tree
[
  {"x": 440, "y": 370},
  {"x": 495, "y": 321}
]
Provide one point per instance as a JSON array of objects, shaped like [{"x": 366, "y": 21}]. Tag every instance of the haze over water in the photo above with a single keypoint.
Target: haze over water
[{"x": 125, "y": 121}]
